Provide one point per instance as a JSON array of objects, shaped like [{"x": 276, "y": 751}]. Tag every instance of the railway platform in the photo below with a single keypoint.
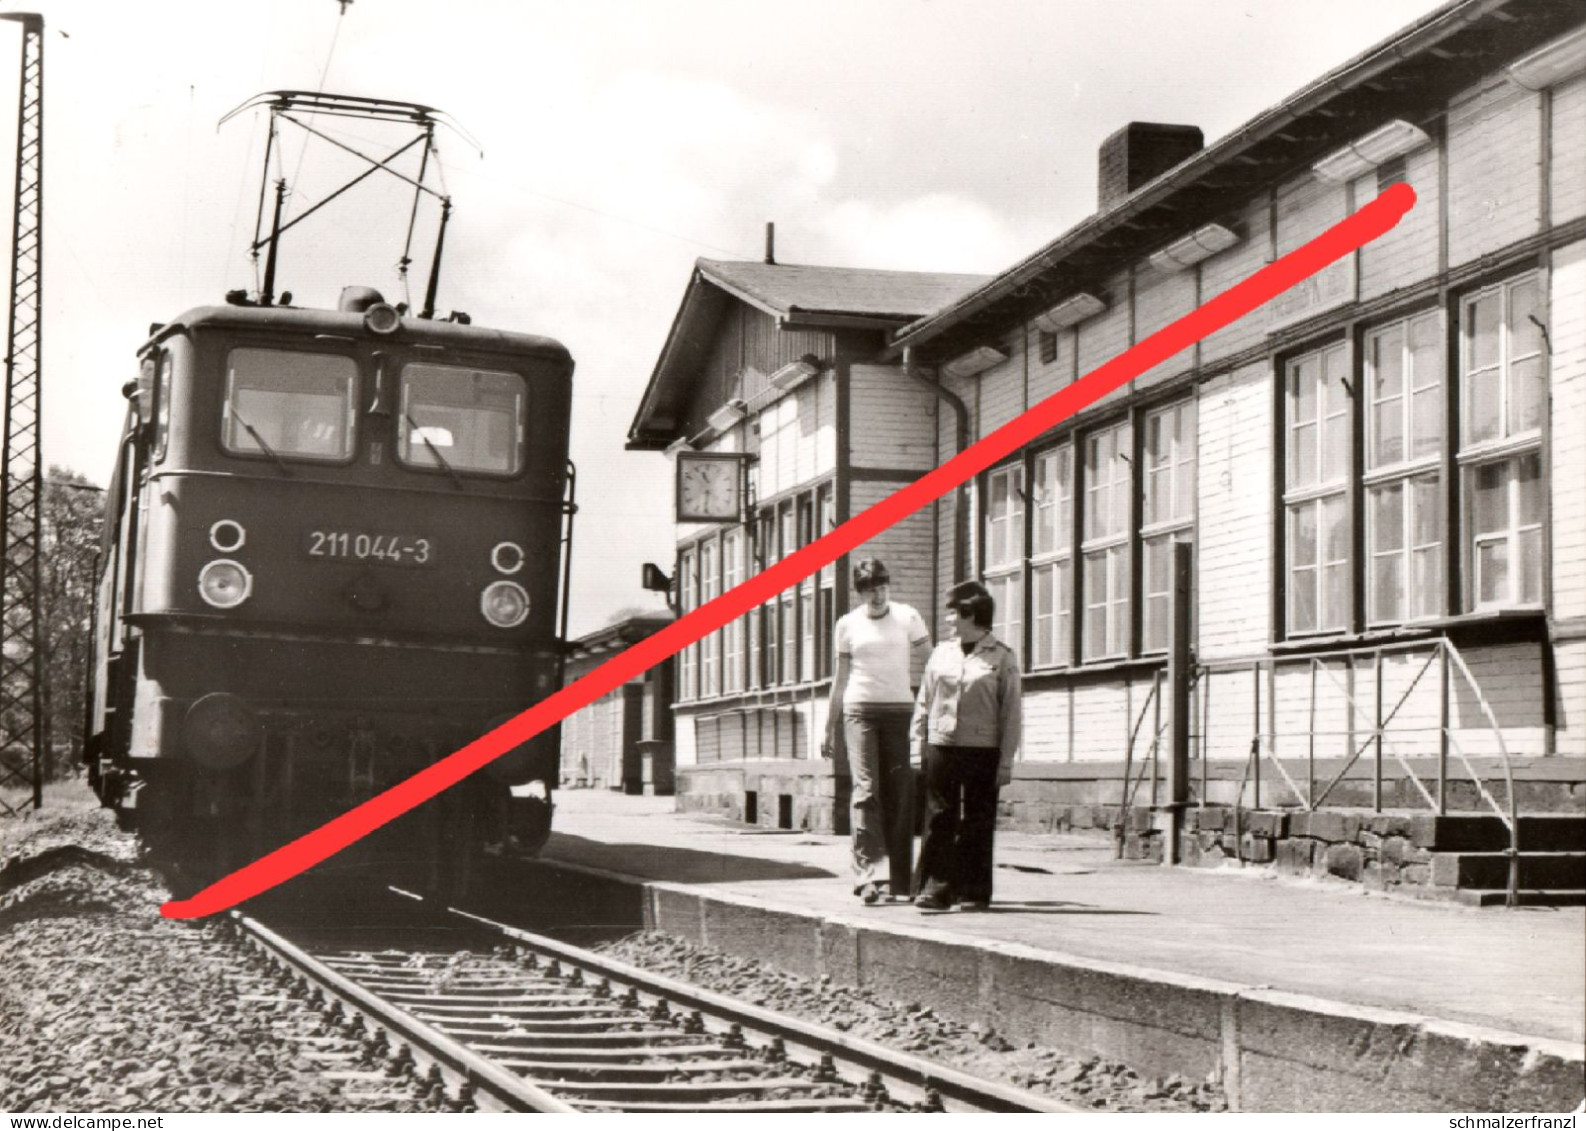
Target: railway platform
[{"x": 1296, "y": 994}]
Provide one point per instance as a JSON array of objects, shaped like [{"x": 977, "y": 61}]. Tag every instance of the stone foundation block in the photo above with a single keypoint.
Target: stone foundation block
[{"x": 1344, "y": 860}]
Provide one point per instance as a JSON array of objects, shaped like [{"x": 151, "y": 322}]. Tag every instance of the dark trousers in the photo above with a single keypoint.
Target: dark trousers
[
  {"x": 882, "y": 803},
  {"x": 960, "y": 822}
]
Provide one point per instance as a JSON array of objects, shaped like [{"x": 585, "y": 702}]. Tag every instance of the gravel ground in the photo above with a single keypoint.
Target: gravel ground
[
  {"x": 105, "y": 1006},
  {"x": 1092, "y": 1083}
]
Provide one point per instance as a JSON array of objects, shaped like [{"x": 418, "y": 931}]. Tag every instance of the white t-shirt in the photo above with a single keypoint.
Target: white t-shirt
[{"x": 878, "y": 650}]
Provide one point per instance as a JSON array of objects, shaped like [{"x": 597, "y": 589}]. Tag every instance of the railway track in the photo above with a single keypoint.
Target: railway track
[{"x": 513, "y": 1021}]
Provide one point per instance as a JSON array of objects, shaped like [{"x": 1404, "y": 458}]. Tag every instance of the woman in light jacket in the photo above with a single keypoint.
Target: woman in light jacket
[{"x": 966, "y": 728}]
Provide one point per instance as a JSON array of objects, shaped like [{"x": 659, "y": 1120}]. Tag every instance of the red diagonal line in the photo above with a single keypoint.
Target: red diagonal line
[{"x": 291, "y": 859}]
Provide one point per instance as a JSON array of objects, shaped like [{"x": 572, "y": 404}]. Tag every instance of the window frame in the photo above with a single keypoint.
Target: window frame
[
  {"x": 1316, "y": 493},
  {"x": 1055, "y": 561},
  {"x": 1110, "y": 546}
]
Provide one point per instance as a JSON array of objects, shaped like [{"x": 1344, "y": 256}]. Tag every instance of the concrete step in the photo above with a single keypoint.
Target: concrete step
[
  {"x": 1489, "y": 870},
  {"x": 1462, "y": 832},
  {"x": 1528, "y": 897}
]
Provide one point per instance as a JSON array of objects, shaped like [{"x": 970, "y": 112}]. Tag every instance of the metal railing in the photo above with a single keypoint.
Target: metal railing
[{"x": 1376, "y": 737}]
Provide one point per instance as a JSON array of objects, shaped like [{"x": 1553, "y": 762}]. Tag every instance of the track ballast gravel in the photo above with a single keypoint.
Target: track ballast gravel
[
  {"x": 105, "y": 1006},
  {"x": 1093, "y": 1082}
]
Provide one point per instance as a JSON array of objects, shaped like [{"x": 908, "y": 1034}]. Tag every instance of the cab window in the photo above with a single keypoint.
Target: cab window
[
  {"x": 162, "y": 407},
  {"x": 290, "y": 405},
  {"x": 460, "y": 419}
]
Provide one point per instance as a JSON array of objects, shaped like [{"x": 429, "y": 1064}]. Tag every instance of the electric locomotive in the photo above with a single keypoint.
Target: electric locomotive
[{"x": 334, "y": 549}]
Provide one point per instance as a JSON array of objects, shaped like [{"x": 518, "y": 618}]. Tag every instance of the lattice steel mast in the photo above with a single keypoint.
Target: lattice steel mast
[{"x": 22, "y": 495}]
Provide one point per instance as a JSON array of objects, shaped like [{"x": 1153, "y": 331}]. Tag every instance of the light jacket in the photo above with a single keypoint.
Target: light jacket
[{"x": 972, "y": 700}]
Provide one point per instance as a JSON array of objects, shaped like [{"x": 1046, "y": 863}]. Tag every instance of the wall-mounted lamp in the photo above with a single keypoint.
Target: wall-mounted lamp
[
  {"x": 681, "y": 444},
  {"x": 977, "y": 360},
  {"x": 1552, "y": 62},
  {"x": 795, "y": 373},
  {"x": 1202, "y": 243},
  {"x": 1383, "y": 144},
  {"x": 1072, "y": 310},
  {"x": 727, "y": 415}
]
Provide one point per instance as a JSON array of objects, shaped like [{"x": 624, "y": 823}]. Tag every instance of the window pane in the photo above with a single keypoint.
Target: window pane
[
  {"x": 1426, "y": 511},
  {"x": 465, "y": 419},
  {"x": 1426, "y": 582},
  {"x": 1302, "y": 457},
  {"x": 1527, "y": 391},
  {"x": 1302, "y": 390},
  {"x": 1302, "y": 535},
  {"x": 1335, "y": 597},
  {"x": 1387, "y": 429},
  {"x": 1302, "y": 600},
  {"x": 1490, "y": 509},
  {"x": 1386, "y": 587},
  {"x": 1335, "y": 527},
  {"x": 1529, "y": 545},
  {"x": 1387, "y": 364},
  {"x": 1043, "y": 617},
  {"x": 1525, "y": 304},
  {"x": 297, "y": 405},
  {"x": 1492, "y": 571},
  {"x": 1387, "y": 518},
  {"x": 1482, "y": 418},
  {"x": 1481, "y": 330},
  {"x": 1426, "y": 411},
  {"x": 1528, "y": 471}
]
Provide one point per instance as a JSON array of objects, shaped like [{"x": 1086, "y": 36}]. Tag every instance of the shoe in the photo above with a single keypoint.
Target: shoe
[
  {"x": 932, "y": 903},
  {"x": 975, "y": 905},
  {"x": 872, "y": 893}
]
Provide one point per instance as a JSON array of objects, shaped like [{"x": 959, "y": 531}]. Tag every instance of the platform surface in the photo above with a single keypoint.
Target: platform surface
[{"x": 1520, "y": 971}]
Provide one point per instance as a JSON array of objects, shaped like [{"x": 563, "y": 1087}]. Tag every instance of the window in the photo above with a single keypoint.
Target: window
[
  {"x": 787, "y": 600},
  {"x": 826, "y": 597},
  {"x": 462, "y": 420},
  {"x": 709, "y": 645},
  {"x": 1503, "y": 383},
  {"x": 732, "y": 635},
  {"x": 1105, "y": 550},
  {"x": 1051, "y": 557},
  {"x": 1004, "y": 552},
  {"x": 1168, "y": 514},
  {"x": 1316, "y": 490},
  {"x": 1048, "y": 346},
  {"x": 162, "y": 406},
  {"x": 289, "y": 405},
  {"x": 1404, "y": 446},
  {"x": 688, "y": 600}
]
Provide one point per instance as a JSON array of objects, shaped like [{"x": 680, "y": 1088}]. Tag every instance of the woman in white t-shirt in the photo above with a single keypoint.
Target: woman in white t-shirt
[{"x": 872, "y": 701}]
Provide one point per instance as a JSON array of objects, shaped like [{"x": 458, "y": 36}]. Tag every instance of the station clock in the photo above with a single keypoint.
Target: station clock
[{"x": 709, "y": 486}]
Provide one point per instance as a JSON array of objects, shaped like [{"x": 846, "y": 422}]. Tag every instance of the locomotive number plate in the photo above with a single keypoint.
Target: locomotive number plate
[{"x": 356, "y": 546}]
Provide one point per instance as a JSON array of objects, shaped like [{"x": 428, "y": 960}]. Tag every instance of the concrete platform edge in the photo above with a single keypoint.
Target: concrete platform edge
[{"x": 1271, "y": 1050}]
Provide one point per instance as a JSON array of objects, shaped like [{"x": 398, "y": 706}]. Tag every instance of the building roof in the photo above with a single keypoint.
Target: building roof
[
  {"x": 797, "y": 296},
  {"x": 798, "y": 293},
  {"x": 1410, "y": 75}
]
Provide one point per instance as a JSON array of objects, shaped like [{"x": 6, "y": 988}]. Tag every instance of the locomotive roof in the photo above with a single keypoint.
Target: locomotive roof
[{"x": 453, "y": 335}]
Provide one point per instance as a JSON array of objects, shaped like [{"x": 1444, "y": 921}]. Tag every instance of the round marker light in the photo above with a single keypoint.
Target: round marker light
[
  {"x": 225, "y": 584},
  {"x": 504, "y": 604},
  {"x": 227, "y": 536},
  {"x": 382, "y": 318},
  {"x": 507, "y": 557}
]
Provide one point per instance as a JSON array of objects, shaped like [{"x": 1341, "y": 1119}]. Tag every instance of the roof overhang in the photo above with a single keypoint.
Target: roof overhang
[{"x": 1410, "y": 76}]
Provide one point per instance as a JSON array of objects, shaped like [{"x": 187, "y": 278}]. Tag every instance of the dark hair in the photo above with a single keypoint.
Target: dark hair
[
  {"x": 869, "y": 573},
  {"x": 972, "y": 600}
]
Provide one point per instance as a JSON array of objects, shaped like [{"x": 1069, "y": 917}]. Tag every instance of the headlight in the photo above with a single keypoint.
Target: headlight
[
  {"x": 504, "y": 604},
  {"x": 227, "y": 536},
  {"x": 224, "y": 583},
  {"x": 382, "y": 319}
]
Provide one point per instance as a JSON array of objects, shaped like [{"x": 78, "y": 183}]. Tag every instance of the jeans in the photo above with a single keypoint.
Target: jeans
[
  {"x": 883, "y": 793},
  {"x": 960, "y": 822}
]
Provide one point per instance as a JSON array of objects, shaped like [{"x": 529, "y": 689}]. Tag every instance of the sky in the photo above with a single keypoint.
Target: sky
[{"x": 606, "y": 145}]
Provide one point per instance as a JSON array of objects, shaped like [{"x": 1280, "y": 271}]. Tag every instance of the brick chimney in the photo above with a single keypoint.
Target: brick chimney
[{"x": 1140, "y": 152}]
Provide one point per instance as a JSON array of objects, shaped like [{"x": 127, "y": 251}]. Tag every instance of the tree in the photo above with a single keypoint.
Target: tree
[{"x": 72, "y": 518}]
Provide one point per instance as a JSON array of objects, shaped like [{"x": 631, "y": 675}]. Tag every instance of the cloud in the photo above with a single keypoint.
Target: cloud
[{"x": 935, "y": 232}]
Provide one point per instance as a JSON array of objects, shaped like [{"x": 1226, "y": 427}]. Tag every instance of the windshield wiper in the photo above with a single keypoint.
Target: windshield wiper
[
  {"x": 415, "y": 430},
  {"x": 258, "y": 439}
]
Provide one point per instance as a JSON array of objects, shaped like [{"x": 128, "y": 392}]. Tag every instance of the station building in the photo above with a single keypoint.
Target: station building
[
  {"x": 1381, "y": 473},
  {"x": 623, "y": 740}
]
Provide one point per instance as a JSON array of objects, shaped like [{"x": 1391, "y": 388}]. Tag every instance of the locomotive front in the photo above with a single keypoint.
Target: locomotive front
[{"x": 336, "y": 558}]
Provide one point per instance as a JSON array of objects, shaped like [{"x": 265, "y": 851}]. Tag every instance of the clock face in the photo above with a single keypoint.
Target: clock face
[{"x": 707, "y": 488}]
